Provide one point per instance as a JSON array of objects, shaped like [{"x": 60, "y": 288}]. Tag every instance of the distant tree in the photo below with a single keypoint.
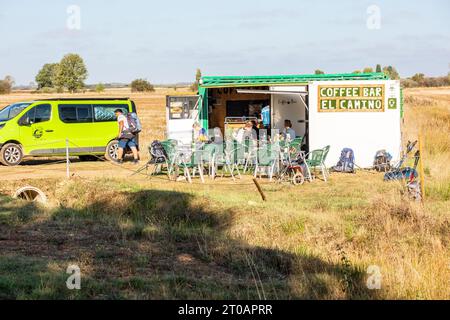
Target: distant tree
[
  {"x": 368, "y": 70},
  {"x": 6, "y": 85},
  {"x": 71, "y": 72},
  {"x": 391, "y": 72},
  {"x": 318, "y": 71},
  {"x": 357, "y": 71},
  {"x": 141, "y": 85},
  {"x": 198, "y": 77},
  {"x": 4, "y": 88},
  {"x": 418, "y": 77},
  {"x": 378, "y": 68},
  {"x": 9, "y": 79},
  {"x": 46, "y": 77},
  {"x": 100, "y": 87}
]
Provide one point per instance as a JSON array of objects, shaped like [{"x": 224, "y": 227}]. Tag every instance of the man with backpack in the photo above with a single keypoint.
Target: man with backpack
[{"x": 129, "y": 127}]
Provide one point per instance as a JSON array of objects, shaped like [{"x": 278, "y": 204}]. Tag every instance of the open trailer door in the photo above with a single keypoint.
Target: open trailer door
[{"x": 182, "y": 113}]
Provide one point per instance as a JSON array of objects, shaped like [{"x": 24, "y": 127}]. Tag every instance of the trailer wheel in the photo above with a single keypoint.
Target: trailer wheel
[
  {"x": 11, "y": 154},
  {"x": 112, "y": 151},
  {"x": 298, "y": 179}
]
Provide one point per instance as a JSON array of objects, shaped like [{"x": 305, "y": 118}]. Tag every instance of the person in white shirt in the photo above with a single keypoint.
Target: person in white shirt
[
  {"x": 289, "y": 134},
  {"x": 245, "y": 133},
  {"x": 125, "y": 137}
]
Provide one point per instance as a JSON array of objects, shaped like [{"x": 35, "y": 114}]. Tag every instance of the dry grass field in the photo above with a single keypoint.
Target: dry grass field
[{"x": 140, "y": 238}]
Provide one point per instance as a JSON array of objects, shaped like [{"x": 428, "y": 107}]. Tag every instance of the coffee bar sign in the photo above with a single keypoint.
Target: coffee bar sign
[{"x": 351, "y": 98}]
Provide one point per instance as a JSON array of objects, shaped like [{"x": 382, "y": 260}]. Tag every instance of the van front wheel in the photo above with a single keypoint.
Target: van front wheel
[
  {"x": 11, "y": 154},
  {"x": 112, "y": 151}
]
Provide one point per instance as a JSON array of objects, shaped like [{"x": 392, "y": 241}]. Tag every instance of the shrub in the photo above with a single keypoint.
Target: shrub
[
  {"x": 47, "y": 90},
  {"x": 141, "y": 85},
  {"x": 5, "y": 87},
  {"x": 100, "y": 87},
  {"x": 409, "y": 83}
]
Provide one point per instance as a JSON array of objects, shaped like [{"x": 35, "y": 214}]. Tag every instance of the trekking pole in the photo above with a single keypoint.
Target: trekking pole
[
  {"x": 67, "y": 159},
  {"x": 421, "y": 170}
]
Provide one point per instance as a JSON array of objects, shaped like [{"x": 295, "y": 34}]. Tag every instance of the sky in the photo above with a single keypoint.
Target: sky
[{"x": 165, "y": 41}]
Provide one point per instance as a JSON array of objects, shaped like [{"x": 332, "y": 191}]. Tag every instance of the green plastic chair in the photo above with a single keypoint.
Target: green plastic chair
[
  {"x": 228, "y": 159},
  {"x": 170, "y": 147},
  {"x": 268, "y": 160},
  {"x": 194, "y": 163},
  {"x": 208, "y": 155},
  {"x": 295, "y": 147},
  {"x": 317, "y": 158}
]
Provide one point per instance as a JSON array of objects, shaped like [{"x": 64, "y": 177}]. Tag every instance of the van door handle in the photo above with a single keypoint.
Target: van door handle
[{"x": 49, "y": 130}]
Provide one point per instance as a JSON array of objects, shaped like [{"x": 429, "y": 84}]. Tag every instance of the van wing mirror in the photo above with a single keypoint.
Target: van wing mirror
[{"x": 24, "y": 121}]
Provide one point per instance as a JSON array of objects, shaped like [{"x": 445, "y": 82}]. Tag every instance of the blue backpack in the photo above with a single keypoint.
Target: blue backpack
[{"x": 346, "y": 162}]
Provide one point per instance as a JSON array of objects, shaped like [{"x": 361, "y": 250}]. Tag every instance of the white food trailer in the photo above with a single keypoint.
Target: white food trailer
[{"x": 358, "y": 111}]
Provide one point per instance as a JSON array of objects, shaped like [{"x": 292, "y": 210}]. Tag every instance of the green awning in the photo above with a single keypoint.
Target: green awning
[{"x": 254, "y": 81}]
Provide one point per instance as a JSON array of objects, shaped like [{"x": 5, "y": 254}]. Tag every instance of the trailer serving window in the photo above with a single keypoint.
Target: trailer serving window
[{"x": 182, "y": 108}]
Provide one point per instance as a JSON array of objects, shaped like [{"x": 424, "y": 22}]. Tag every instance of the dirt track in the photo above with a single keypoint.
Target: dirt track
[{"x": 42, "y": 169}]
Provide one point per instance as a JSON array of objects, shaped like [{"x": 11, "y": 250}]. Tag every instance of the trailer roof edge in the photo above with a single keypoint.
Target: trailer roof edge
[{"x": 241, "y": 81}]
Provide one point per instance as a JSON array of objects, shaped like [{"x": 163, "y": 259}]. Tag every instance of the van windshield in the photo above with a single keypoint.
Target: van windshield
[{"x": 11, "y": 111}]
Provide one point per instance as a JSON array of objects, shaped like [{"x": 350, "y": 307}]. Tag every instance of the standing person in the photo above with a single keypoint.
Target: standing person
[
  {"x": 265, "y": 115},
  {"x": 126, "y": 138},
  {"x": 255, "y": 128}
]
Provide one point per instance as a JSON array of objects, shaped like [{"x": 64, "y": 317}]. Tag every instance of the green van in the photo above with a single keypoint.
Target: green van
[{"x": 46, "y": 127}]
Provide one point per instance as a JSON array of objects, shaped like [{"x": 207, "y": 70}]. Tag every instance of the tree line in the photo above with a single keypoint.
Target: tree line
[
  {"x": 71, "y": 73},
  {"x": 417, "y": 80},
  {"x": 388, "y": 70}
]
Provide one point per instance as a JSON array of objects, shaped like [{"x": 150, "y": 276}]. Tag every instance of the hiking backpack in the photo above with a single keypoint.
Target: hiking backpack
[
  {"x": 346, "y": 162},
  {"x": 382, "y": 161},
  {"x": 134, "y": 123},
  {"x": 158, "y": 153}
]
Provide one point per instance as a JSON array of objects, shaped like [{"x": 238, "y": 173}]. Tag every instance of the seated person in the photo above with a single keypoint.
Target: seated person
[
  {"x": 245, "y": 133},
  {"x": 288, "y": 133},
  {"x": 199, "y": 133},
  {"x": 217, "y": 138}
]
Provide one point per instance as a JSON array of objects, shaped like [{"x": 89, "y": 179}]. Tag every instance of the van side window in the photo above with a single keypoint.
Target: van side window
[
  {"x": 105, "y": 112},
  {"x": 38, "y": 114},
  {"x": 71, "y": 113},
  {"x": 43, "y": 113}
]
